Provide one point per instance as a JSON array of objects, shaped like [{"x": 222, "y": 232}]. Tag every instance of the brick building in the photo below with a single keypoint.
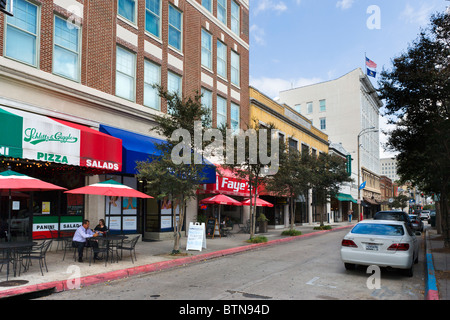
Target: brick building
[{"x": 89, "y": 65}]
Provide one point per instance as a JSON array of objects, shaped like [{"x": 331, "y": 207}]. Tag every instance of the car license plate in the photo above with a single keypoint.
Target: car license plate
[{"x": 372, "y": 247}]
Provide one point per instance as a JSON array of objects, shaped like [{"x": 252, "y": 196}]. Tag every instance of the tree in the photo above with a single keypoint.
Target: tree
[
  {"x": 165, "y": 174},
  {"x": 329, "y": 172},
  {"x": 293, "y": 178},
  {"x": 417, "y": 95},
  {"x": 255, "y": 149}
]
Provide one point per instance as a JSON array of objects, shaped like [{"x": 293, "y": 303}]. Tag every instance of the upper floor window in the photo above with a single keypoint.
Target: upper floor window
[
  {"x": 235, "y": 117},
  {"x": 235, "y": 17},
  {"x": 152, "y": 76},
  {"x": 175, "y": 28},
  {"x": 206, "y": 49},
  {"x": 125, "y": 73},
  {"x": 222, "y": 11},
  {"x": 235, "y": 68},
  {"x": 174, "y": 83},
  {"x": 309, "y": 107},
  {"x": 298, "y": 108},
  {"x": 207, "y": 4},
  {"x": 207, "y": 101},
  {"x": 22, "y": 33},
  {"x": 221, "y": 59},
  {"x": 153, "y": 17},
  {"x": 221, "y": 112},
  {"x": 66, "y": 49},
  {"x": 323, "y": 105},
  {"x": 127, "y": 9},
  {"x": 323, "y": 123}
]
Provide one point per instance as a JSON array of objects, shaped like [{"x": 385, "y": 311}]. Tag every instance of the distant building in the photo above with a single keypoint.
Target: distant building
[
  {"x": 389, "y": 168},
  {"x": 342, "y": 108}
]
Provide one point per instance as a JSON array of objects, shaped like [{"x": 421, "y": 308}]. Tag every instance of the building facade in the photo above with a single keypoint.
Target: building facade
[
  {"x": 389, "y": 168},
  {"x": 343, "y": 108},
  {"x": 297, "y": 132},
  {"x": 91, "y": 65}
]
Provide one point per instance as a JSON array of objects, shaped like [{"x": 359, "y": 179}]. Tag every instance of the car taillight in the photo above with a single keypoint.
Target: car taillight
[
  {"x": 399, "y": 247},
  {"x": 349, "y": 243}
]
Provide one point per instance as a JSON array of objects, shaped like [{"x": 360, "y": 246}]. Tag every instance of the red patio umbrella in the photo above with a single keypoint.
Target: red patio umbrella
[
  {"x": 221, "y": 199},
  {"x": 259, "y": 202},
  {"x": 110, "y": 188},
  {"x": 11, "y": 180}
]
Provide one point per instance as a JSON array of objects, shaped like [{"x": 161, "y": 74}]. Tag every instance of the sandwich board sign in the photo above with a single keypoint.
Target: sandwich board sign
[{"x": 196, "y": 237}]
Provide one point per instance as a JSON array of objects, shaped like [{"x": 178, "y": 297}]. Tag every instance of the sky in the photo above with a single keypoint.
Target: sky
[{"x": 300, "y": 42}]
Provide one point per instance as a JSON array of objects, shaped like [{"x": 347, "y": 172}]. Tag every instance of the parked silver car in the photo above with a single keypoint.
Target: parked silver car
[
  {"x": 425, "y": 215},
  {"x": 416, "y": 222}
]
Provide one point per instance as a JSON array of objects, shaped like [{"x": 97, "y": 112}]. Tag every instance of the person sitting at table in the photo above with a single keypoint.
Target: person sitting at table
[
  {"x": 82, "y": 234},
  {"x": 101, "y": 227}
]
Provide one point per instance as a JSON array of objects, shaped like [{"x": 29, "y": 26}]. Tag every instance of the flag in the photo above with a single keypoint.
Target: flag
[
  {"x": 371, "y": 73},
  {"x": 370, "y": 63}
]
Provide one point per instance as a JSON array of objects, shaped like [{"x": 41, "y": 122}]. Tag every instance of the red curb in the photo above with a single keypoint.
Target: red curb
[{"x": 157, "y": 266}]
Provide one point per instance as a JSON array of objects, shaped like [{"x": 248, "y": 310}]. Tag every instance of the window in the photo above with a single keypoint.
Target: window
[
  {"x": 323, "y": 105},
  {"x": 206, "y": 49},
  {"x": 234, "y": 118},
  {"x": 127, "y": 9},
  {"x": 125, "y": 73},
  {"x": 66, "y": 49},
  {"x": 235, "y": 68},
  {"x": 305, "y": 149},
  {"x": 221, "y": 111},
  {"x": 153, "y": 17},
  {"x": 293, "y": 144},
  {"x": 207, "y": 101},
  {"x": 221, "y": 59},
  {"x": 175, "y": 27},
  {"x": 323, "y": 123},
  {"x": 235, "y": 17},
  {"x": 152, "y": 75},
  {"x": 222, "y": 11},
  {"x": 174, "y": 83},
  {"x": 22, "y": 33},
  {"x": 309, "y": 107},
  {"x": 298, "y": 108},
  {"x": 207, "y": 4}
]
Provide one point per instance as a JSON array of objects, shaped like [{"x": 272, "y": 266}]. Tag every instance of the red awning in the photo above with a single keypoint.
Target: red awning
[{"x": 97, "y": 150}]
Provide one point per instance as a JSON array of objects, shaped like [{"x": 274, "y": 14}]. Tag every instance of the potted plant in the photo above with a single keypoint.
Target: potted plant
[{"x": 262, "y": 219}]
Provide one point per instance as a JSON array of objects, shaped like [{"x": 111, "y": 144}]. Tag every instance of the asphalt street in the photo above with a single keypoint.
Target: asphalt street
[{"x": 307, "y": 269}]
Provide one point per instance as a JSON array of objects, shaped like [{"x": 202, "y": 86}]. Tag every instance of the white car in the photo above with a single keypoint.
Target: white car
[
  {"x": 385, "y": 243},
  {"x": 425, "y": 215}
]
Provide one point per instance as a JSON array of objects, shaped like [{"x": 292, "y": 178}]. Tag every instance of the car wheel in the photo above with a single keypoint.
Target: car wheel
[
  {"x": 349, "y": 266},
  {"x": 409, "y": 272}
]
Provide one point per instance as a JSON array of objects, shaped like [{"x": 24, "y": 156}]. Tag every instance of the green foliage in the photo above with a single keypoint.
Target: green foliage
[
  {"x": 323, "y": 227},
  {"x": 291, "y": 232},
  {"x": 258, "y": 239}
]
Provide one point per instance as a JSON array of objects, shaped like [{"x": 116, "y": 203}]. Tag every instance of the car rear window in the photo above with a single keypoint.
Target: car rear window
[
  {"x": 389, "y": 216},
  {"x": 379, "y": 229}
]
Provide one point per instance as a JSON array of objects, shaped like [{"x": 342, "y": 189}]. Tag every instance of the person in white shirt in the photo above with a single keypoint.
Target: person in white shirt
[{"x": 80, "y": 238}]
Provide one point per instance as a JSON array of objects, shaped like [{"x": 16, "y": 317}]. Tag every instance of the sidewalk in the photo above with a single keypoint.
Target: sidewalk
[
  {"x": 437, "y": 286},
  {"x": 152, "y": 256}
]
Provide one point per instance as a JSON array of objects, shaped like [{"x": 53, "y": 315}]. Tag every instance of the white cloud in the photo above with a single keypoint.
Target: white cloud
[
  {"x": 263, "y": 5},
  {"x": 272, "y": 86},
  {"x": 344, "y": 4},
  {"x": 417, "y": 15},
  {"x": 258, "y": 34}
]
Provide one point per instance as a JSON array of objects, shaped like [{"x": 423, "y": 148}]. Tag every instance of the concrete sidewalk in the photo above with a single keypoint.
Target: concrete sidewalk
[
  {"x": 437, "y": 286},
  {"x": 151, "y": 256}
]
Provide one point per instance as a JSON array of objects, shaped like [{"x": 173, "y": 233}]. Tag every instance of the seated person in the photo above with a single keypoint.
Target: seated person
[
  {"x": 101, "y": 227},
  {"x": 80, "y": 238}
]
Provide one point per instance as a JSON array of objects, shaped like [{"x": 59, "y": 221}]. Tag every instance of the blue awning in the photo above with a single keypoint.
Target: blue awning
[{"x": 138, "y": 147}]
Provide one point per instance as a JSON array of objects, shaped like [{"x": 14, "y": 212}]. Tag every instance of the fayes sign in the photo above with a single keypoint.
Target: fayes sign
[{"x": 47, "y": 139}]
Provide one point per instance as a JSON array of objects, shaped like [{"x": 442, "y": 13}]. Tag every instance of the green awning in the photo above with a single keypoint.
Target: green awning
[{"x": 345, "y": 197}]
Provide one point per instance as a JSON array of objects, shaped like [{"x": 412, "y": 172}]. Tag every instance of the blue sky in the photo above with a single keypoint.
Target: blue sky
[{"x": 300, "y": 42}]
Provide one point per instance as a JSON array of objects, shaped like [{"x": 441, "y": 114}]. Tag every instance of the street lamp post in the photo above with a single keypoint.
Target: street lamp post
[{"x": 363, "y": 131}]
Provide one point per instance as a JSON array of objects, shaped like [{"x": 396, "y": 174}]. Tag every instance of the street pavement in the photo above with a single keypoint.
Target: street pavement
[{"x": 153, "y": 256}]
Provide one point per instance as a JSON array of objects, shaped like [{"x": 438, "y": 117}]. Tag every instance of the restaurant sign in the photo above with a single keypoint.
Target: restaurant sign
[{"x": 31, "y": 136}]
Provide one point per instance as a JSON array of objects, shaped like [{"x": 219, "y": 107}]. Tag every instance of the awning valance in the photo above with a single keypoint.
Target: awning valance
[
  {"x": 138, "y": 147},
  {"x": 30, "y": 136},
  {"x": 345, "y": 197}
]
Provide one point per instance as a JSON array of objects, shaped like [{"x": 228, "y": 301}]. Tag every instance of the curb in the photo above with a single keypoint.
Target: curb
[
  {"x": 64, "y": 285},
  {"x": 431, "y": 290}
]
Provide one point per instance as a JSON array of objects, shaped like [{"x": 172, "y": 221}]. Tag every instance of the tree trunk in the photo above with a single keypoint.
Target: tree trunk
[
  {"x": 178, "y": 227},
  {"x": 292, "y": 205},
  {"x": 445, "y": 218}
]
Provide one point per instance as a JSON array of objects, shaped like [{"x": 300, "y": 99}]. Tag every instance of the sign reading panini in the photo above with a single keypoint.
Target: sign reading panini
[{"x": 34, "y": 137}]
